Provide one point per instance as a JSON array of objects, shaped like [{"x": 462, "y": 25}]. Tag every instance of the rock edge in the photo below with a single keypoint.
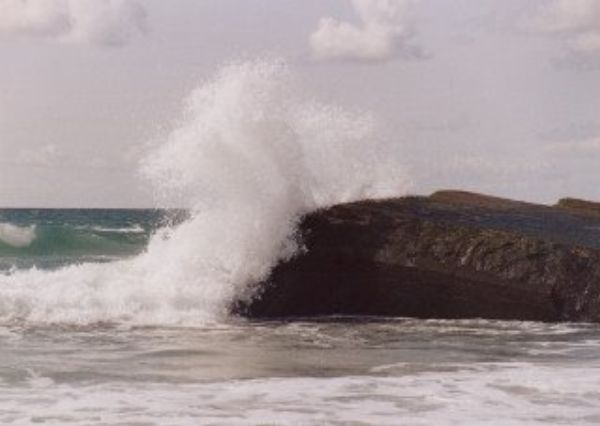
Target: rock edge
[{"x": 451, "y": 255}]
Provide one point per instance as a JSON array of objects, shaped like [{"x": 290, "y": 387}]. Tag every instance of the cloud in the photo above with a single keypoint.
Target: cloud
[
  {"x": 101, "y": 22},
  {"x": 587, "y": 148},
  {"x": 45, "y": 156},
  {"x": 385, "y": 31},
  {"x": 577, "y": 20},
  {"x": 493, "y": 167}
]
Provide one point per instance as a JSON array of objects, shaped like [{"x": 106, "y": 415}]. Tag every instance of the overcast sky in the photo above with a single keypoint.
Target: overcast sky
[{"x": 499, "y": 96}]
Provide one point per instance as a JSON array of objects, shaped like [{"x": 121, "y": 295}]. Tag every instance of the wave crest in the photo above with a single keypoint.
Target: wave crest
[
  {"x": 251, "y": 156},
  {"x": 17, "y": 236}
]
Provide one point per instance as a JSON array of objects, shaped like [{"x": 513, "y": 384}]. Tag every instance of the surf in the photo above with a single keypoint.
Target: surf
[
  {"x": 251, "y": 154},
  {"x": 60, "y": 240},
  {"x": 16, "y": 236}
]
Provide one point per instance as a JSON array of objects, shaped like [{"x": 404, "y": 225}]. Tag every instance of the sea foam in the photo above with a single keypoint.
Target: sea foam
[
  {"x": 16, "y": 236},
  {"x": 251, "y": 155}
]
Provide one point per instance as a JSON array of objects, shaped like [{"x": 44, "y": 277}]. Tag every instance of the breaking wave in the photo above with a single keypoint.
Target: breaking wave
[
  {"x": 16, "y": 236},
  {"x": 40, "y": 240},
  {"x": 251, "y": 155}
]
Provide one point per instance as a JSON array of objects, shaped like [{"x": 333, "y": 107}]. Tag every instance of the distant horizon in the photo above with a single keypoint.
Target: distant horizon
[{"x": 407, "y": 195}]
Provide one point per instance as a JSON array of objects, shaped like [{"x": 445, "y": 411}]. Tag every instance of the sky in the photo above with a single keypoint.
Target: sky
[{"x": 495, "y": 96}]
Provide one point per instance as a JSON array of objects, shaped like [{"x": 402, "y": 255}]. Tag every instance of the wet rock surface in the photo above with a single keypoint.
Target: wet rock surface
[{"x": 450, "y": 255}]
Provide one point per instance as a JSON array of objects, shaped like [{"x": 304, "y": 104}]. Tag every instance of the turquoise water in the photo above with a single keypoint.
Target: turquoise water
[{"x": 51, "y": 238}]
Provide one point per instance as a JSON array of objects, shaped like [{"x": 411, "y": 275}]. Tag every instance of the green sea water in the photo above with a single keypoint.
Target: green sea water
[{"x": 51, "y": 238}]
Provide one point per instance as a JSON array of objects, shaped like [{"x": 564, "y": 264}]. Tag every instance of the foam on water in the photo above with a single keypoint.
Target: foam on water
[
  {"x": 324, "y": 372},
  {"x": 496, "y": 394},
  {"x": 135, "y": 229},
  {"x": 250, "y": 157},
  {"x": 16, "y": 236}
]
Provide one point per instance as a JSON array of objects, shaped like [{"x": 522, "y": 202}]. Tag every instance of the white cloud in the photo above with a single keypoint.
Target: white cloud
[
  {"x": 385, "y": 31},
  {"x": 493, "y": 167},
  {"x": 585, "y": 148},
  {"x": 103, "y": 22},
  {"x": 45, "y": 156},
  {"x": 577, "y": 20},
  {"x": 587, "y": 42}
]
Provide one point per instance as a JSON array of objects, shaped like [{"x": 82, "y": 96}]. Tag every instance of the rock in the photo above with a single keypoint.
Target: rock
[
  {"x": 579, "y": 206},
  {"x": 450, "y": 255}
]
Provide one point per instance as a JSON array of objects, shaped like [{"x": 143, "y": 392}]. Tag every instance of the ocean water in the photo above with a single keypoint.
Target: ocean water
[
  {"x": 122, "y": 316},
  {"x": 83, "y": 363},
  {"x": 51, "y": 238}
]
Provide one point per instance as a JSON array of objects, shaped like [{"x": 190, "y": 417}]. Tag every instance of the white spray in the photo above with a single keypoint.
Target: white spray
[
  {"x": 16, "y": 236},
  {"x": 249, "y": 159}
]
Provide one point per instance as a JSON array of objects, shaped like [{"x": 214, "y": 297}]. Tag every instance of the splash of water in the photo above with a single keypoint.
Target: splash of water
[
  {"x": 250, "y": 157},
  {"x": 16, "y": 236}
]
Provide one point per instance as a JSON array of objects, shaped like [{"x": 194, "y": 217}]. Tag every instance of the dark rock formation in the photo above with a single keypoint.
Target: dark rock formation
[
  {"x": 450, "y": 255},
  {"x": 581, "y": 207}
]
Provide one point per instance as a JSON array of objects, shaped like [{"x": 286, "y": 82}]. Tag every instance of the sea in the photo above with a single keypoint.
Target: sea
[
  {"x": 122, "y": 317},
  {"x": 113, "y": 365}
]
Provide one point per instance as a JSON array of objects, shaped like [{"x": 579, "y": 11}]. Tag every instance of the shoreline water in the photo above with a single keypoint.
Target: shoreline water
[{"x": 328, "y": 371}]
